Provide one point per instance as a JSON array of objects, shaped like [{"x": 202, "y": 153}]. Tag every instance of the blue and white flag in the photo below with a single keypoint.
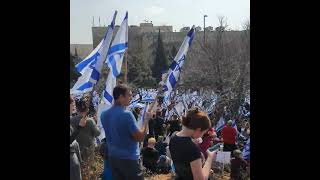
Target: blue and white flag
[
  {"x": 175, "y": 67},
  {"x": 179, "y": 107},
  {"x": 220, "y": 124},
  {"x": 141, "y": 118},
  {"x": 90, "y": 68},
  {"x": 108, "y": 91},
  {"x": 118, "y": 48},
  {"x": 115, "y": 58},
  {"x": 99, "y": 53},
  {"x": 97, "y": 66},
  {"x": 234, "y": 125},
  {"x": 83, "y": 84},
  {"x": 246, "y": 150},
  {"x": 149, "y": 96}
]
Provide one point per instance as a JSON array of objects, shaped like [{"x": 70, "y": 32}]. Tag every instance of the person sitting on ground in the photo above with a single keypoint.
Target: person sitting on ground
[
  {"x": 237, "y": 163},
  {"x": 150, "y": 156},
  {"x": 229, "y": 135},
  {"x": 185, "y": 154},
  {"x": 161, "y": 146},
  {"x": 164, "y": 165}
]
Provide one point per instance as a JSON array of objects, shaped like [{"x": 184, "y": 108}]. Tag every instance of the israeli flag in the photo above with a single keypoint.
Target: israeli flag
[
  {"x": 141, "y": 118},
  {"x": 179, "y": 108},
  {"x": 97, "y": 66},
  {"x": 115, "y": 58},
  {"x": 91, "y": 66},
  {"x": 149, "y": 96},
  {"x": 95, "y": 59},
  {"x": 220, "y": 124},
  {"x": 175, "y": 67},
  {"x": 108, "y": 91},
  {"x": 246, "y": 150},
  {"x": 118, "y": 48},
  {"x": 234, "y": 125},
  {"x": 83, "y": 84}
]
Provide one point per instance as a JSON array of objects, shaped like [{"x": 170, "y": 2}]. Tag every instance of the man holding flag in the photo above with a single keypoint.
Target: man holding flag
[{"x": 123, "y": 134}]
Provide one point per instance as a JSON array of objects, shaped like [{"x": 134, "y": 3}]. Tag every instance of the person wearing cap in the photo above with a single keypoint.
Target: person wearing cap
[
  {"x": 137, "y": 110},
  {"x": 237, "y": 163},
  {"x": 229, "y": 135}
]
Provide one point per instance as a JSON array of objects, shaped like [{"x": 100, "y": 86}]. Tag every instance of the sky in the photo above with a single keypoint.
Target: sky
[{"x": 176, "y": 13}]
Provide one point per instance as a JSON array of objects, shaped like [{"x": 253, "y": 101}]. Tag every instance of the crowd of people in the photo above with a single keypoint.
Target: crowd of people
[{"x": 165, "y": 141}]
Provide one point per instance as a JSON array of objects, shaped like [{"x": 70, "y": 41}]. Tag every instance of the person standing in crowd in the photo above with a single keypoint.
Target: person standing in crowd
[
  {"x": 136, "y": 111},
  {"x": 174, "y": 124},
  {"x": 229, "y": 135},
  {"x": 158, "y": 125},
  {"x": 185, "y": 154},
  {"x": 123, "y": 135},
  {"x": 150, "y": 156},
  {"x": 207, "y": 141},
  {"x": 87, "y": 134},
  {"x": 151, "y": 126},
  {"x": 237, "y": 163},
  {"x": 226, "y": 113},
  {"x": 75, "y": 157},
  {"x": 161, "y": 145}
]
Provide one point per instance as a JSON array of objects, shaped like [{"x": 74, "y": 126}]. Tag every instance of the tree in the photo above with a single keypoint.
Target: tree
[
  {"x": 139, "y": 73},
  {"x": 229, "y": 60},
  {"x": 74, "y": 74},
  {"x": 173, "y": 52},
  {"x": 161, "y": 62}
]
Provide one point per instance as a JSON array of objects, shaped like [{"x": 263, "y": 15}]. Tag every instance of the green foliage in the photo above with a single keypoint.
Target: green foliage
[
  {"x": 73, "y": 72},
  {"x": 139, "y": 73},
  {"x": 161, "y": 62}
]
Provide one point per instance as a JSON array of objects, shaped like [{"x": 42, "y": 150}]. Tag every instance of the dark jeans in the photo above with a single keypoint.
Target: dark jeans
[
  {"x": 229, "y": 147},
  {"x": 125, "y": 169}
]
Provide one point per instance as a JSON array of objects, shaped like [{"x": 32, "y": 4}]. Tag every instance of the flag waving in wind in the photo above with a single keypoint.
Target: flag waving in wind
[
  {"x": 114, "y": 62},
  {"x": 97, "y": 67},
  {"x": 115, "y": 58},
  {"x": 118, "y": 48},
  {"x": 220, "y": 124},
  {"x": 246, "y": 151},
  {"x": 175, "y": 67},
  {"x": 91, "y": 66}
]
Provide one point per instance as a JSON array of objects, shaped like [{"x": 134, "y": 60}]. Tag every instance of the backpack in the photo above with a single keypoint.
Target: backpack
[{"x": 163, "y": 166}]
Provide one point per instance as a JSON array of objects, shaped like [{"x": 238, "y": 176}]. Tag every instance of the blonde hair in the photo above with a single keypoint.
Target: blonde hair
[{"x": 152, "y": 141}]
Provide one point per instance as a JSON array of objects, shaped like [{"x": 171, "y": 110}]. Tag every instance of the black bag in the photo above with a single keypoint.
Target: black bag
[{"x": 103, "y": 150}]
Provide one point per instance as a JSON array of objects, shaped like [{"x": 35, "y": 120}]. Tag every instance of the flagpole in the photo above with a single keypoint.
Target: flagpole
[{"x": 126, "y": 68}]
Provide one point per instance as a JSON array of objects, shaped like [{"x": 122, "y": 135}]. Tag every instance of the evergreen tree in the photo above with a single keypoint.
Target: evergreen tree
[
  {"x": 161, "y": 62},
  {"x": 139, "y": 74}
]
